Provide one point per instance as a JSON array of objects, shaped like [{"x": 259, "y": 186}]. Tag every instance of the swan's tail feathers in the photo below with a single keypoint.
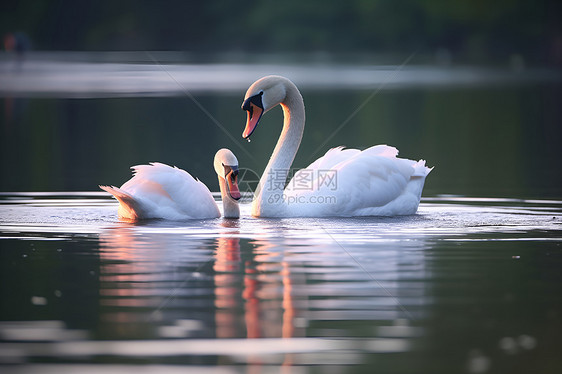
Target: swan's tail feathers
[
  {"x": 420, "y": 170},
  {"x": 129, "y": 207},
  {"x": 118, "y": 193}
]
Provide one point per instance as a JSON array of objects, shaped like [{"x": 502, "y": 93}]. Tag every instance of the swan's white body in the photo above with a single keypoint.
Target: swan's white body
[
  {"x": 344, "y": 182},
  {"x": 161, "y": 191}
]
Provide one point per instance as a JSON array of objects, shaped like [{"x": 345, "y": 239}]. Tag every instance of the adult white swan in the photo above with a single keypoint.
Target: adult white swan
[
  {"x": 161, "y": 191},
  {"x": 344, "y": 182}
]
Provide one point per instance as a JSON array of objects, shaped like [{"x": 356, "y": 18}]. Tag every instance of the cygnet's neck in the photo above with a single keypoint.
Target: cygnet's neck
[{"x": 230, "y": 206}]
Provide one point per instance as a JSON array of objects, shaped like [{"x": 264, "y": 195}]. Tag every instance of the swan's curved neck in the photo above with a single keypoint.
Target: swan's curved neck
[
  {"x": 269, "y": 199},
  {"x": 229, "y": 205}
]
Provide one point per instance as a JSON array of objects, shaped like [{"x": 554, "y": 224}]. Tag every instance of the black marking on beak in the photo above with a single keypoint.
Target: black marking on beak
[
  {"x": 230, "y": 169},
  {"x": 256, "y": 100}
]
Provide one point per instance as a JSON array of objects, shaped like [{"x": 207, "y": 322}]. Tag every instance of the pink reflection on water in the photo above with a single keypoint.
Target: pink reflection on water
[
  {"x": 268, "y": 308},
  {"x": 123, "y": 278},
  {"x": 250, "y": 285}
]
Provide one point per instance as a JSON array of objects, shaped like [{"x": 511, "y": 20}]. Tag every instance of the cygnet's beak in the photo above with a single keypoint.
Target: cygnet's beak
[{"x": 231, "y": 178}]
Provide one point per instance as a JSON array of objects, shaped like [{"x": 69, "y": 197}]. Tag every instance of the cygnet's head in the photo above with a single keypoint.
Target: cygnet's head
[{"x": 226, "y": 167}]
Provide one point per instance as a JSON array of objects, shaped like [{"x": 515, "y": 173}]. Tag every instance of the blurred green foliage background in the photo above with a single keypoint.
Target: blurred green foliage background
[{"x": 471, "y": 30}]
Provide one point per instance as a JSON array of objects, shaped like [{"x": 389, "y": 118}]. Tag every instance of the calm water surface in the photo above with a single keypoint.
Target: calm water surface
[{"x": 466, "y": 285}]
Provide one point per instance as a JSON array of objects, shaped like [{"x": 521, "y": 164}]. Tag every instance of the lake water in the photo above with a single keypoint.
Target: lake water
[{"x": 470, "y": 284}]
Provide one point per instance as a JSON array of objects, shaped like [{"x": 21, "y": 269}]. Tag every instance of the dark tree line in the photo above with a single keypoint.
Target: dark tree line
[{"x": 468, "y": 28}]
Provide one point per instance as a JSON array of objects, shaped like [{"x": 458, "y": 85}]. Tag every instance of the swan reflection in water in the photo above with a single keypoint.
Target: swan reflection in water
[
  {"x": 258, "y": 283},
  {"x": 227, "y": 280},
  {"x": 155, "y": 275},
  {"x": 247, "y": 283},
  {"x": 143, "y": 270}
]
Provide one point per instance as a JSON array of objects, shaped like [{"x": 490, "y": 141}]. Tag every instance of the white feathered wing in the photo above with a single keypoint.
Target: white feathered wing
[
  {"x": 161, "y": 191},
  {"x": 350, "y": 182}
]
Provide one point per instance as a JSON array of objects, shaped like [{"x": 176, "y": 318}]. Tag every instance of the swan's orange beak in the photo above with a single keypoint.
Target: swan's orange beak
[
  {"x": 232, "y": 183},
  {"x": 252, "y": 121},
  {"x": 254, "y": 106}
]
